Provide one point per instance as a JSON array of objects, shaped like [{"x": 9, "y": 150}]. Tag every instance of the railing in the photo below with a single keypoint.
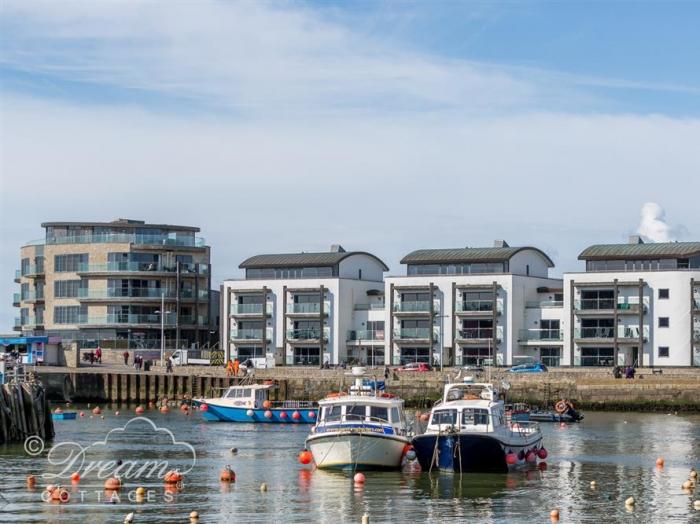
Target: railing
[
  {"x": 18, "y": 322},
  {"x": 126, "y": 293},
  {"x": 192, "y": 320},
  {"x": 414, "y": 333},
  {"x": 480, "y": 333},
  {"x": 18, "y": 274},
  {"x": 246, "y": 309},
  {"x": 468, "y": 306},
  {"x": 15, "y": 298},
  {"x": 36, "y": 242},
  {"x": 696, "y": 334},
  {"x": 366, "y": 334},
  {"x": 124, "y": 318},
  {"x": 203, "y": 294},
  {"x": 143, "y": 267},
  {"x": 537, "y": 304},
  {"x": 32, "y": 269},
  {"x": 632, "y": 332},
  {"x": 696, "y": 304},
  {"x": 128, "y": 238},
  {"x": 308, "y": 307},
  {"x": 307, "y": 334},
  {"x": 372, "y": 306},
  {"x": 419, "y": 306},
  {"x": 623, "y": 303},
  {"x": 523, "y": 428},
  {"x": 541, "y": 334},
  {"x": 250, "y": 334},
  {"x": 30, "y": 322}
]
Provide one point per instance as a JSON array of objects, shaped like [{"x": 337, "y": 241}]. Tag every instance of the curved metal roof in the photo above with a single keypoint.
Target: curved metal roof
[
  {"x": 469, "y": 254},
  {"x": 627, "y": 251},
  {"x": 303, "y": 260}
]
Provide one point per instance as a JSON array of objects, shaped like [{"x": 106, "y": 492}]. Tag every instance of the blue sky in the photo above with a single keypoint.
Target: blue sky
[{"x": 401, "y": 124}]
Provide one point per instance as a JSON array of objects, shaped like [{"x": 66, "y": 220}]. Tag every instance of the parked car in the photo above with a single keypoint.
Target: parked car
[
  {"x": 533, "y": 367},
  {"x": 415, "y": 366}
]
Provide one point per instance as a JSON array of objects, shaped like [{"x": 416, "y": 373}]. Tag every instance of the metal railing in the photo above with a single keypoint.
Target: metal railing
[
  {"x": 468, "y": 306},
  {"x": 143, "y": 267},
  {"x": 126, "y": 293},
  {"x": 251, "y": 334},
  {"x": 118, "y": 238},
  {"x": 32, "y": 269},
  {"x": 414, "y": 333},
  {"x": 536, "y": 304},
  {"x": 308, "y": 307},
  {"x": 541, "y": 334},
  {"x": 246, "y": 309},
  {"x": 308, "y": 334},
  {"x": 129, "y": 318},
  {"x": 596, "y": 304},
  {"x": 370, "y": 307},
  {"x": 419, "y": 306},
  {"x": 480, "y": 333},
  {"x": 366, "y": 334},
  {"x": 609, "y": 332}
]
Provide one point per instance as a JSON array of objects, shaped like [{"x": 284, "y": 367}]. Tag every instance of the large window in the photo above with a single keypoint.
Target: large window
[
  {"x": 290, "y": 272},
  {"x": 550, "y": 357},
  {"x": 378, "y": 413},
  {"x": 307, "y": 356},
  {"x": 69, "y": 288},
  {"x": 444, "y": 416},
  {"x": 476, "y": 328},
  {"x": 410, "y": 355},
  {"x": 70, "y": 262},
  {"x": 457, "y": 269},
  {"x": 474, "y": 417},
  {"x": 475, "y": 356},
  {"x": 595, "y": 356},
  {"x": 246, "y": 352},
  {"x": 69, "y": 314}
]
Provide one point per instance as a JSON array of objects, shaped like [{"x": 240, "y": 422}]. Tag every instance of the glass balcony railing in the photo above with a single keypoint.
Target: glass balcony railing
[
  {"x": 18, "y": 322},
  {"x": 366, "y": 334},
  {"x": 696, "y": 304},
  {"x": 124, "y": 318},
  {"x": 118, "y": 238},
  {"x": 480, "y": 333},
  {"x": 18, "y": 274},
  {"x": 308, "y": 334},
  {"x": 631, "y": 332},
  {"x": 537, "y": 304},
  {"x": 143, "y": 267},
  {"x": 31, "y": 296},
  {"x": 251, "y": 334},
  {"x": 696, "y": 335},
  {"x": 370, "y": 307},
  {"x": 32, "y": 269},
  {"x": 308, "y": 307},
  {"x": 203, "y": 294},
  {"x": 15, "y": 298},
  {"x": 125, "y": 293},
  {"x": 479, "y": 306},
  {"x": 525, "y": 335},
  {"x": 419, "y": 306},
  {"x": 32, "y": 322},
  {"x": 414, "y": 333},
  {"x": 249, "y": 309},
  {"x": 597, "y": 304}
]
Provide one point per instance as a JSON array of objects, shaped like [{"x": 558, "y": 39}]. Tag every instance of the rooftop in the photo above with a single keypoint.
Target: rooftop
[
  {"x": 124, "y": 223},
  {"x": 502, "y": 252},
  {"x": 639, "y": 250},
  {"x": 322, "y": 259}
]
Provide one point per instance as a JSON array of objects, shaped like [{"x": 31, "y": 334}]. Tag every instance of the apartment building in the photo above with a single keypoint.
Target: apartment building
[
  {"x": 298, "y": 308},
  {"x": 116, "y": 284},
  {"x": 635, "y": 303},
  {"x": 474, "y": 305}
]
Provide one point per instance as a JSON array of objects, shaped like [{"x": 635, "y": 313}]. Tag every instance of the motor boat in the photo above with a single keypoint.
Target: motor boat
[
  {"x": 252, "y": 403},
  {"x": 468, "y": 432},
  {"x": 360, "y": 429},
  {"x": 564, "y": 411}
]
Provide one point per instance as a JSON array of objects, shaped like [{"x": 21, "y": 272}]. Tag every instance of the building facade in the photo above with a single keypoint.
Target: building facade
[
  {"x": 297, "y": 309},
  {"x": 116, "y": 284}
]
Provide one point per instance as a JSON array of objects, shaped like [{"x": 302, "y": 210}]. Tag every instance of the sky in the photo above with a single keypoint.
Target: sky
[{"x": 382, "y": 126}]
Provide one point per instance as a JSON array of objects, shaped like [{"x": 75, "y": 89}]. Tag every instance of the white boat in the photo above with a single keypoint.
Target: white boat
[
  {"x": 360, "y": 429},
  {"x": 468, "y": 432}
]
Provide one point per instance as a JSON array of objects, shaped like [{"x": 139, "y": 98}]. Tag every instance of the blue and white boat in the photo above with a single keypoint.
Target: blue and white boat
[
  {"x": 361, "y": 429},
  {"x": 64, "y": 415},
  {"x": 251, "y": 403}
]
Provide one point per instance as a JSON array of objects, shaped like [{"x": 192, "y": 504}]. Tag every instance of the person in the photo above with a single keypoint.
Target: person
[
  {"x": 126, "y": 357},
  {"x": 168, "y": 366},
  {"x": 98, "y": 355},
  {"x": 236, "y": 365},
  {"x": 229, "y": 368},
  {"x": 386, "y": 372},
  {"x": 617, "y": 372}
]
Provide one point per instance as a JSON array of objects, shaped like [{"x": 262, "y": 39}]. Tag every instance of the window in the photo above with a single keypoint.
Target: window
[
  {"x": 663, "y": 293},
  {"x": 69, "y": 314},
  {"x": 444, "y": 416},
  {"x": 411, "y": 355},
  {"x": 355, "y": 412},
  {"x": 596, "y": 356},
  {"x": 474, "y": 356},
  {"x": 663, "y": 352},
  {"x": 378, "y": 413},
  {"x": 550, "y": 330},
  {"x": 331, "y": 413},
  {"x": 395, "y": 416},
  {"x": 550, "y": 357},
  {"x": 473, "y": 417},
  {"x": 69, "y": 288},
  {"x": 663, "y": 322},
  {"x": 246, "y": 352},
  {"x": 70, "y": 262}
]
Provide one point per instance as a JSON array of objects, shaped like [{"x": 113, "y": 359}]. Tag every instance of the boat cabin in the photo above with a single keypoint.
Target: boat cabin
[
  {"x": 250, "y": 396},
  {"x": 349, "y": 410}
]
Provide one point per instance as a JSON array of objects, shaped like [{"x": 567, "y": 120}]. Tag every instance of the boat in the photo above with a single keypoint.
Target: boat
[
  {"x": 361, "y": 429},
  {"x": 564, "y": 411},
  {"x": 64, "y": 415},
  {"x": 252, "y": 403},
  {"x": 468, "y": 432}
]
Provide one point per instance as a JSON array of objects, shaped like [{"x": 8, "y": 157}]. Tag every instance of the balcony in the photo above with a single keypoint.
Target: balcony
[
  {"x": 696, "y": 334},
  {"x": 241, "y": 310},
  {"x": 608, "y": 333},
  {"x": 363, "y": 335},
  {"x": 126, "y": 294},
  {"x": 129, "y": 238},
  {"x": 33, "y": 296},
  {"x": 696, "y": 305},
  {"x": 420, "y": 306},
  {"x": 31, "y": 322},
  {"x": 539, "y": 304},
  {"x": 415, "y": 333},
  {"x": 144, "y": 267},
  {"x": 478, "y": 307},
  {"x": 31, "y": 271},
  {"x": 370, "y": 307},
  {"x": 18, "y": 324},
  {"x": 541, "y": 335},
  {"x": 625, "y": 305},
  {"x": 18, "y": 275},
  {"x": 124, "y": 319},
  {"x": 480, "y": 334},
  {"x": 254, "y": 334},
  {"x": 308, "y": 334},
  {"x": 308, "y": 308},
  {"x": 15, "y": 299}
]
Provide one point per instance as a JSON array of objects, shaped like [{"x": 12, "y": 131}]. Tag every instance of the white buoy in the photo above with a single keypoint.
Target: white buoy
[
  {"x": 629, "y": 501},
  {"x": 696, "y": 505},
  {"x": 129, "y": 518},
  {"x": 194, "y": 515},
  {"x": 365, "y": 519},
  {"x": 263, "y": 487},
  {"x": 593, "y": 484}
]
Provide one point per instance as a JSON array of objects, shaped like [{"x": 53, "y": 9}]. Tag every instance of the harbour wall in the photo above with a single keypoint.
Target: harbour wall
[{"x": 589, "y": 390}]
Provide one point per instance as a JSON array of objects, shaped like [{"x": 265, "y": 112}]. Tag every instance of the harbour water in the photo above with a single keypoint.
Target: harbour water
[{"x": 617, "y": 450}]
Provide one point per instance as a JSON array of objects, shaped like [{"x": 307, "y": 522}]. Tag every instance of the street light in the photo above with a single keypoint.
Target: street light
[
  {"x": 441, "y": 341},
  {"x": 162, "y": 313}
]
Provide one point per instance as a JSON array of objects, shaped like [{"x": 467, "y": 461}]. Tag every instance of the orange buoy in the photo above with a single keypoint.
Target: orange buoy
[
  {"x": 227, "y": 475},
  {"x": 172, "y": 477},
  {"x": 139, "y": 410},
  {"x": 267, "y": 404},
  {"x": 75, "y": 477},
  {"x": 97, "y": 411},
  {"x": 554, "y": 514},
  {"x": 660, "y": 462},
  {"x": 113, "y": 483},
  {"x": 59, "y": 494},
  {"x": 164, "y": 409},
  {"x": 31, "y": 481},
  {"x": 58, "y": 411},
  {"x": 305, "y": 457},
  {"x": 359, "y": 478},
  {"x": 424, "y": 417},
  {"x": 184, "y": 407},
  {"x": 82, "y": 414}
]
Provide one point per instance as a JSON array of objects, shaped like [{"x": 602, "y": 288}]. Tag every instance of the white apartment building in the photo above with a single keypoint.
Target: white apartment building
[
  {"x": 474, "y": 305},
  {"x": 636, "y": 303},
  {"x": 298, "y": 308}
]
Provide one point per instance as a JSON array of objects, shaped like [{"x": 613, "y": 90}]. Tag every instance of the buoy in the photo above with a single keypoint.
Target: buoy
[
  {"x": 660, "y": 462},
  {"x": 263, "y": 487},
  {"x": 284, "y": 415},
  {"x": 268, "y": 414},
  {"x": 593, "y": 484},
  {"x": 359, "y": 478},
  {"x": 75, "y": 477},
  {"x": 194, "y": 515},
  {"x": 172, "y": 477},
  {"x": 151, "y": 405},
  {"x": 227, "y": 475},
  {"x": 511, "y": 458},
  {"x": 58, "y": 411},
  {"x": 696, "y": 505},
  {"x": 113, "y": 483},
  {"x": 312, "y": 414},
  {"x": 305, "y": 457},
  {"x": 140, "y": 491},
  {"x": 693, "y": 474},
  {"x": 139, "y": 410},
  {"x": 629, "y": 501},
  {"x": 82, "y": 414},
  {"x": 184, "y": 407},
  {"x": 250, "y": 413},
  {"x": 411, "y": 455},
  {"x": 424, "y": 417},
  {"x": 542, "y": 453},
  {"x": 687, "y": 485},
  {"x": 562, "y": 425},
  {"x": 102, "y": 417},
  {"x": 204, "y": 407},
  {"x": 267, "y": 404},
  {"x": 531, "y": 457},
  {"x": 31, "y": 481},
  {"x": 60, "y": 494},
  {"x": 116, "y": 413},
  {"x": 296, "y": 415},
  {"x": 97, "y": 411},
  {"x": 129, "y": 518},
  {"x": 234, "y": 451},
  {"x": 164, "y": 409},
  {"x": 554, "y": 514}
]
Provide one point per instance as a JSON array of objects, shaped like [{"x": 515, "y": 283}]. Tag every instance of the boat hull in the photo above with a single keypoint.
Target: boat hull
[
  {"x": 467, "y": 453},
  {"x": 71, "y": 415},
  {"x": 545, "y": 416},
  {"x": 220, "y": 413},
  {"x": 357, "y": 451}
]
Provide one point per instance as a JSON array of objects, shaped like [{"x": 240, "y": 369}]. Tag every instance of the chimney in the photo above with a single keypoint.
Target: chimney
[
  {"x": 635, "y": 239},
  {"x": 500, "y": 243},
  {"x": 337, "y": 248}
]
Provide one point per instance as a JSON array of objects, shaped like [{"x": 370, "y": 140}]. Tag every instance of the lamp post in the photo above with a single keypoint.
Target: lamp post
[
  {"x": 441, "y": 341},
  {"x": 162, "y": 312}
]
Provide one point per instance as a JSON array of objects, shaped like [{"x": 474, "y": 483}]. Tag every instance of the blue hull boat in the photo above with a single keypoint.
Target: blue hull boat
[
  {"x": 66, "y": 415},
  {"x": 276, "y": 415}
]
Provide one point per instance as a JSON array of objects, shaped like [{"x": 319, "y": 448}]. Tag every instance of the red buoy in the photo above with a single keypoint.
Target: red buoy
[
  {"x": 139, "y": 410},
  {"x": 359, "y": 478},
  {"x": 284, "y": 415},
  {"x": 542, "y": 453},
  {"x": 312, "y": 414},
  {"x": 203, "y": 407},
  {"x": 511, "y": 458},
  {"x": 268, "y": 414},
  {"x": 531, "y": 457},
  {"x": 305, "y": 457},
  {"x": 296, "y": 415}
]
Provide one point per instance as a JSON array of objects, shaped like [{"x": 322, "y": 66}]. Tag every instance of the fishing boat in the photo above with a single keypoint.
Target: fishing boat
[
  {"x": 468, "y": 432},
  {"x": 564, "y": 411},
  {"x": 361, "y": 429},
  {"x": 252, "y": 403}
]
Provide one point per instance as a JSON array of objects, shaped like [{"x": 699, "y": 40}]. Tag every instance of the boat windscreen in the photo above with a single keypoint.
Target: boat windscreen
[
  {"x": 379, "y": 413},
  {"x": 474, "y": 417},
  {"x": 444, "y": 416},
  {"x": 355, "y": 412},
  {"x": 331, "y": 413}
]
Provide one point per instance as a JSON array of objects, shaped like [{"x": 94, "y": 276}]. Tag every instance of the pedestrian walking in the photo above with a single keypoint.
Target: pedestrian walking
[
  {"x": 98, "y": 355},
  {"x": 236, "y": 366},
  {"x": 126, "y": 357}
]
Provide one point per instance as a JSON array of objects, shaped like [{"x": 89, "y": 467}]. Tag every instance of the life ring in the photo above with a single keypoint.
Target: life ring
[
  {"x": 560, "y": 407},
  {"x": 388, "y": 395}
]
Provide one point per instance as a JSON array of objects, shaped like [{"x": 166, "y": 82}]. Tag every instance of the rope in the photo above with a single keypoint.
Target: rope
[{"x": 435, "y": 450}]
